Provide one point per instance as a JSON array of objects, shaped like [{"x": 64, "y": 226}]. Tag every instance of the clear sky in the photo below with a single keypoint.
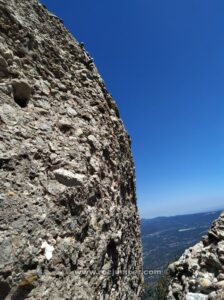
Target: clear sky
[{"x": 163, "y": 62}]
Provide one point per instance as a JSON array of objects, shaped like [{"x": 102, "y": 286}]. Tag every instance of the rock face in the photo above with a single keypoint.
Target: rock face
[
  {"x": 199, "y": 273},
  {"x": 69, "y": 227}
]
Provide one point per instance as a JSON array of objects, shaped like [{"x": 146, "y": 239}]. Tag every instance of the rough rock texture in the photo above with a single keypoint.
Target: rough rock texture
[
  {"x": 199, "y": 273},
  {"x": 69, "y": 227}
]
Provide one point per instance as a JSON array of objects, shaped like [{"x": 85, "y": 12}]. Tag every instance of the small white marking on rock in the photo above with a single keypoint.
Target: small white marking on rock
[{"x": 48, "y": 250}]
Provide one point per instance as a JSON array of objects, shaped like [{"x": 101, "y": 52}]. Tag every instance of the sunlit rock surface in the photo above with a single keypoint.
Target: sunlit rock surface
[{"x": 69, "y": 227}]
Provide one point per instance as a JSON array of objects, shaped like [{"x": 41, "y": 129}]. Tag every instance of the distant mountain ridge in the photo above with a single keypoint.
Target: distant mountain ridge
[{"x": 159, "y": 223}]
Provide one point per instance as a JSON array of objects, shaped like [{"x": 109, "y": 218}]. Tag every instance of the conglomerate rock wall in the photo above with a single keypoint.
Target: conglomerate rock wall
[
  {"x": 69, "y": 226},
  {"x": 199, "y": 273}
]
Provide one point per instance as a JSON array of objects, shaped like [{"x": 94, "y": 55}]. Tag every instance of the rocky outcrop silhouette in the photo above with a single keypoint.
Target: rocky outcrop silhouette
[
  {"x": 69, "y": 226},
  {"x": 199, "y": 273}
]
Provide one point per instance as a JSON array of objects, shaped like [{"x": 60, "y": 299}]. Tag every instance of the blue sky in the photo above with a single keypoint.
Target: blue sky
[{"x": 163, "y": 62}]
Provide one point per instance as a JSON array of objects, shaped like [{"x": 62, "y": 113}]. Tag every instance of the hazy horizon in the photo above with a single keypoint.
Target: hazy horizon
[{"x": 183, "y": 214}]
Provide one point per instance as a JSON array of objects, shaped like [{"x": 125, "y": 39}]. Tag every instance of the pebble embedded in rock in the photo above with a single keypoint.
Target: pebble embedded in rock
[
  {"x": 68, "y": 178},
  {"x": 9, "y": 115},
  {"x": 196, "y": 296}
]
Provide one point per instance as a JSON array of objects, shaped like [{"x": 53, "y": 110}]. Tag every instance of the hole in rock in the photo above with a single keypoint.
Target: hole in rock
[
  {"x": 21, "y": 92},
  {"x": 113, "y": 254},
  {"x": 22, "y": 102},
  {"x": 83, "y": 234},
  {"x": 4, "y": 290},
  {"x": 65, "y": 128},
  {"x": 22, "y": 292},
  {"x": 31, "y": 266}
]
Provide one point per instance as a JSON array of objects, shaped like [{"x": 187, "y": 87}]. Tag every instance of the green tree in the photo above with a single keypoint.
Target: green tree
[{"x": 160, "y": 290}]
